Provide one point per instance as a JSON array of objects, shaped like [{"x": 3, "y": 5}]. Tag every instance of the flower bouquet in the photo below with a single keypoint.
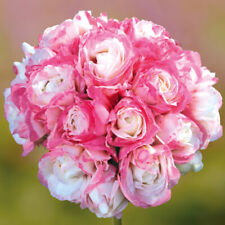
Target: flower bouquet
[{"x": 121, "y": 108}]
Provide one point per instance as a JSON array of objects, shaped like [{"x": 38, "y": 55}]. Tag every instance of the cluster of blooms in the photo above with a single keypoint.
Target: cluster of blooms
[{"x": 122, "y": 109}]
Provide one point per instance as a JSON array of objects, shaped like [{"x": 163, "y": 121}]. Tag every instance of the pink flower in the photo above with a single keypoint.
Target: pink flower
[
  {"x": 106, "y": 58},
  {"x": 204, "y": 110},
  {"x": 57, "y": 105},
  {"x": 26, "y": 122},
  {"x": 33, "y": 56},
  {"x": 191, "y": 72},
  {"x": 147, "y": 174},
  {"x": 68, "y": 170},
  {"x": 131, "y": 122},
  {"x": 181, "y": 134},
  {"x": 161, "y": 89},
  {"x": 152, "y": 44},
  {"x": 106, "y": 198},
  {"x": 48, "y": 81},
  {"x": 147, "y": 29},
  {"x": 58, "y": 36},
  {"x": 189, "y": 65},
  {"x": 25, "y": 125},
  {"x": 84, "y": 21},
  {"x": 80, "y": 174},
  {"x": 59, "y": 172},
  {"x": 82, "y": 120}
]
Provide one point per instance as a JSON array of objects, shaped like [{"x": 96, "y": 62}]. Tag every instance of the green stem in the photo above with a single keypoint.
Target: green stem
[{"x": 117, "y": 221}]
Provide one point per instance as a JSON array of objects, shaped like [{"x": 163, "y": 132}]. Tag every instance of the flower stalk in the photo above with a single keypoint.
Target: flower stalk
[{"x": 117, "y": 221}]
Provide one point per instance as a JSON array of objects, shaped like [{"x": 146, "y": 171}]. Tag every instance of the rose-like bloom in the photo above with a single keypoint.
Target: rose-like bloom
[
  {"x": 181, "y": 134},
  {"x": 131, "y": 122},
  {"x": 58, "y": 36},
  {"x": 152, "y": 44},
  {"x": 191, "y": 72},
  {"x": 106, "y": 198},
  {"x": 78, "y": 174},
  {"x": 61, "y": 175},
  {"x": 82, "y": 120},
  {"x": 84, "y": 21},
  {"x": 147, "y": 29},
  {"x": 67, "y": 170},
  {"x": 20, "y": 67},
  {"x": 188, "y": 64},
  {"x": 65, "y": 36},
  {"x": 161, "y": 89},
  {"x": 194, "y": 165},
  {"x": 25, "y": 125},
  {"x": 33, "y": 56},
  {"x": 204, "y": 110},
  {"x": 147, "y": 174},
  {"x": 25, "y": 120},
  {"x": 48, "y": 81},
  {"x": 106, "y": 58},
  {"x": 205, "y": 100},
  {"x": 56, "y": 107}
]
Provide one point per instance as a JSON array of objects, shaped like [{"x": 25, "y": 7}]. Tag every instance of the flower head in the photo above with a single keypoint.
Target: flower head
[{"x": 121, "y": 108}]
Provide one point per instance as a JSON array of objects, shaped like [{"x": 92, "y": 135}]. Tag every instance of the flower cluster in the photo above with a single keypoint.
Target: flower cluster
[{"x": 121, "y": 108}]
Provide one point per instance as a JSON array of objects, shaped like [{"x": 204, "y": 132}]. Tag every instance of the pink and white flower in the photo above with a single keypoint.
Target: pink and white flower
[
  {"x": 161, "y": 89},
  {"x": 59, "y": 172},
  {"x": 81, "y": 121},
  {"x": 204, "y": 110},
  {"x": 131, "y": 122},
  {"x": 147, "y": 29},
  {"x": 80, "y": 175},
  {"x": 48, "y": 81},
  {"x": 181, "y": 134},
  {"x": 147, "y": 174},
  {"x": 67, "y": 170},
  {"x": 106, "y": 198},
  {"x": 106, "y": 58},
  {"x": 58, "y": 36},
  {"x": 33, "y": 56},
  {"x": 25, "y": 125}
]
